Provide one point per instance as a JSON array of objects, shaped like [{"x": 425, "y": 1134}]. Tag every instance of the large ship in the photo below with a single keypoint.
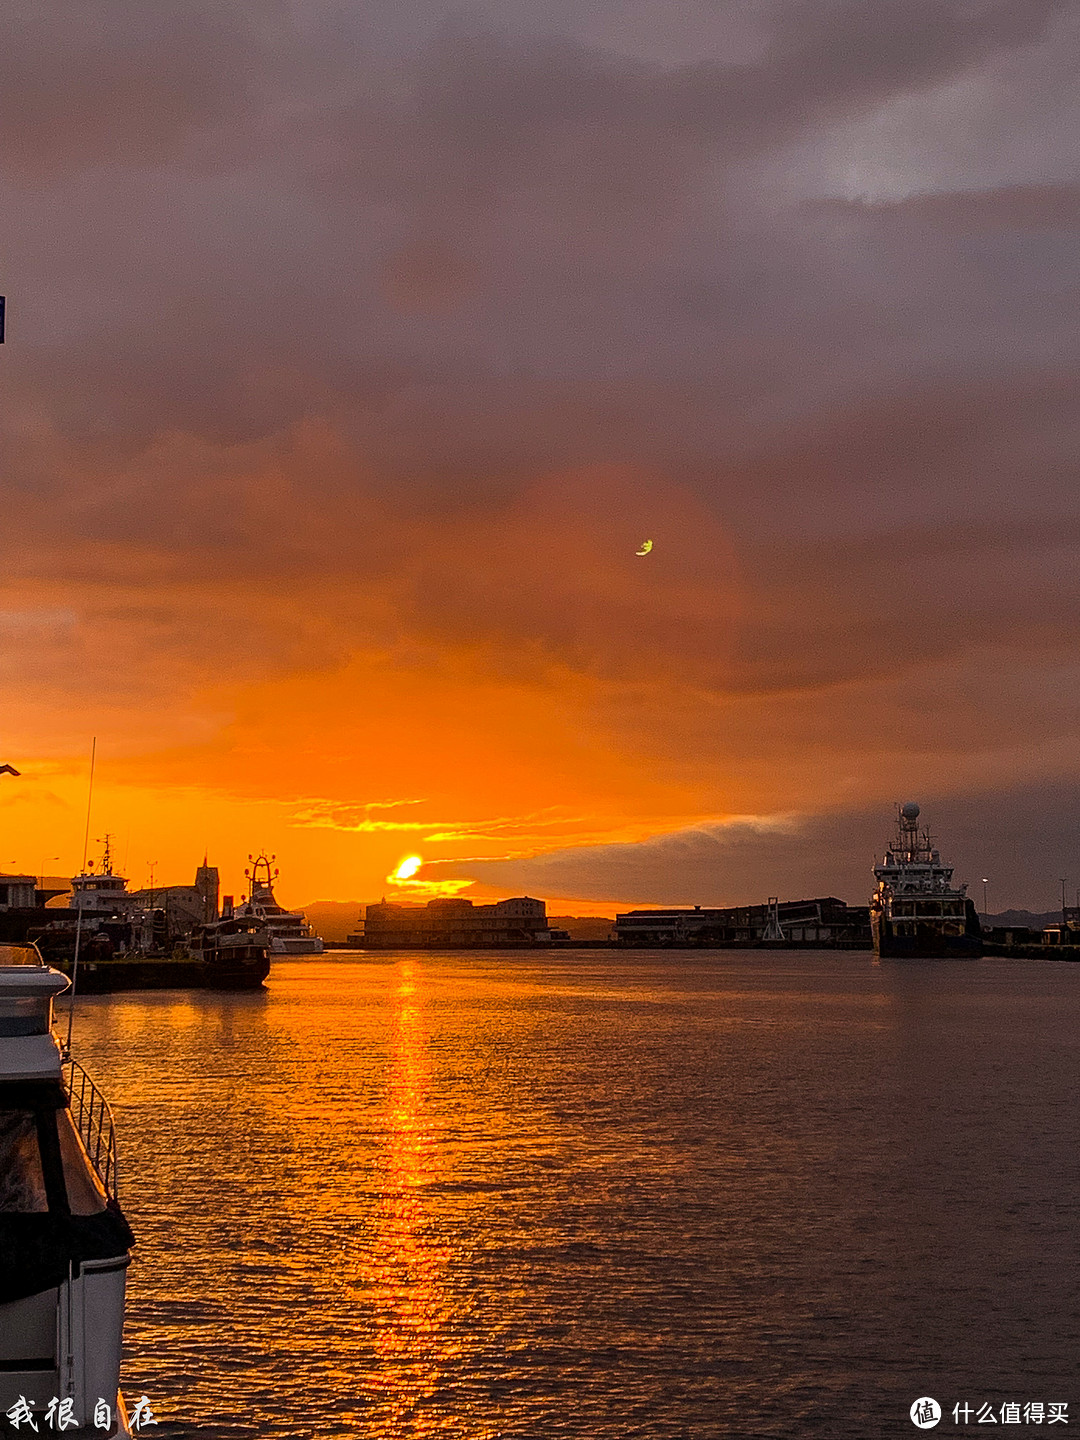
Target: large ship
[
  {"x": 916, "y": 911},
  {"x": 289, "y": 932}
]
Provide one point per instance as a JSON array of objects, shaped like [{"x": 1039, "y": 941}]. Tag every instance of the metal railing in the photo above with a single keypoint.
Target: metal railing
[{"x": 93, "y": 1120}]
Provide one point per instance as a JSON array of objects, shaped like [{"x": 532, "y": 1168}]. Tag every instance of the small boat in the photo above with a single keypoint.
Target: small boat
[
  {"x": 64, "y": 1242},
  {"x": 917, "y": 912},
  {"x": 289, "y": 932},
  {"x": 234, "y": 952}
]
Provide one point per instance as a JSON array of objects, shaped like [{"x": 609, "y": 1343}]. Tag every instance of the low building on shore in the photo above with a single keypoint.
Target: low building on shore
[
  {"x": 452, "y": 924},
  {"x": 822, "y": 923},
  {"x": 22, "y": 905}
]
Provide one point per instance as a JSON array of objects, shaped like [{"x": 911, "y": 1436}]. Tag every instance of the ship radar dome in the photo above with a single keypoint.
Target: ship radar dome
[{"x": 910, "y": 811}]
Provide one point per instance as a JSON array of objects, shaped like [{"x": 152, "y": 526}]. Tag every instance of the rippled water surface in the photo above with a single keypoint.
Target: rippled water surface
[{"x": 598, "y": 1194}]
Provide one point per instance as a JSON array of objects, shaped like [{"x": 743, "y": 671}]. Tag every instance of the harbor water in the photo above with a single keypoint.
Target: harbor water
[{"x": 598, "y": 1194}]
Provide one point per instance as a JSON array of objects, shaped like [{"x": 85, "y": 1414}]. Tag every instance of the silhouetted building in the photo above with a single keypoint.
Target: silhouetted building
[
  {"x": 18, "y": 892},
  {"x": 22, "y": 905},
  {"x": 823, "y": 922},
  {"x": 184, "y": 906},
  {"x": 446, "y": 924}
]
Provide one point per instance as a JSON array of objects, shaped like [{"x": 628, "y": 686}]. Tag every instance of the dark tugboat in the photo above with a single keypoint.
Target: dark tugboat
[
  {"x": 234, "y": 953},
  {"x": 917, "y": 912}
]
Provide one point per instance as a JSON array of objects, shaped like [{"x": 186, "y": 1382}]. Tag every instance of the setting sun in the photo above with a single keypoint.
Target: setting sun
[{"x": 407, "y": 869}]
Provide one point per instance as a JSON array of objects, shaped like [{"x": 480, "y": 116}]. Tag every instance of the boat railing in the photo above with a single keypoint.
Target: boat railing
[{"x": 94, "y": 1122}]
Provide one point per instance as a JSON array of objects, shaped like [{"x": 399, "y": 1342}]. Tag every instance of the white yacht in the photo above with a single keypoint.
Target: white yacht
[
  {"x": 64, "y": 1242},
  {"x": 289, "y": 932}
]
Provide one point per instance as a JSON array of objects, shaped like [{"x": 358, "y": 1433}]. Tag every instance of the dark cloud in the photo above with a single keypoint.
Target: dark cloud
[
  {"x": 489, "y": 115},
  {"x": 569, "y": 202},
  {"x": 109, "y": 81},
  {"x": 1008, "y": 207},
  {"x": 1022, "y": 840}
]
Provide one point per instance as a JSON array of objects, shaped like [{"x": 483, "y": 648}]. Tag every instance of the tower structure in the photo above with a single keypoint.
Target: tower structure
[{"x": 208, "y": 887}]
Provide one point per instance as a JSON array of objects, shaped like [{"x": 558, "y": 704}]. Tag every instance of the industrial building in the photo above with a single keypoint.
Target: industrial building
[
  {"x": 22, "y": 904},
  {"x": 184, "y": 906},
  {"x": 822, "y": 923}
]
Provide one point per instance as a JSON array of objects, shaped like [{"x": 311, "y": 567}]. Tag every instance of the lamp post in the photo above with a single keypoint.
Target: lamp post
[
  {"x": 986, "y": 908},
  {"x": 1063, "y": 904}
]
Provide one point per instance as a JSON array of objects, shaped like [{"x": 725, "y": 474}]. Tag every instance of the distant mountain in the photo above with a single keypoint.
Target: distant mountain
[
  {"x": 583, "y": 927},
  {"x": 1029, "y": 918},
  {"x": 333, "y": 919}
]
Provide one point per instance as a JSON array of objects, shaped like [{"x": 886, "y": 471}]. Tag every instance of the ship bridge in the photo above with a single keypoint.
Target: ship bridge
[{"x": 911, "y": 862}]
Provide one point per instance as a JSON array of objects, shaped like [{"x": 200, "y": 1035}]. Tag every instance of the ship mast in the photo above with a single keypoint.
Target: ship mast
[{"x": 79, "y": 914}]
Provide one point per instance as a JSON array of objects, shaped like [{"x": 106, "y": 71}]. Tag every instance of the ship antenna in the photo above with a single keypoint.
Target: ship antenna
[{"x": 79, "y": 909}]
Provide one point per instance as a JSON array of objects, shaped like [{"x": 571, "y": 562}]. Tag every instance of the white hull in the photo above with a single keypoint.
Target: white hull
[
  {"x": 79, "y": 1327},
  {"x": 298, "y": 945}
]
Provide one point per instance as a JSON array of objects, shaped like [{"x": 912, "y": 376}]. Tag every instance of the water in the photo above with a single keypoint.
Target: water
[{"x": 598, "y": 1195}]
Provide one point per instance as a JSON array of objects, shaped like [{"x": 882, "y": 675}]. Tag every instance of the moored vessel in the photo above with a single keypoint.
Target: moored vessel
[
  {"x": 234, "y": 953},
  {"x": 289, "y": 932},
  {"x": 101, "y": 895},
  {"x": 917, "y": 912},
  {"x": 64, "y": 1242}
]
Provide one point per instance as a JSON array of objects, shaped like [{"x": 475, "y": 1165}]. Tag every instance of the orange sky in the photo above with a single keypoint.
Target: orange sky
[{"x": 354, "y": 732}]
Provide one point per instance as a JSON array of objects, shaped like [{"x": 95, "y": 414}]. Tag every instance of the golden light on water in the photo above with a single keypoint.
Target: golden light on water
[{"x": 405, "y": 1281}]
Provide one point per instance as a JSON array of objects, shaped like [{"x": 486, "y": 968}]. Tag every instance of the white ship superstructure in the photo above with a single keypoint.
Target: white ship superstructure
[
  {"x": 289, "y": 932},
  {"x": 101, "y": 895}
]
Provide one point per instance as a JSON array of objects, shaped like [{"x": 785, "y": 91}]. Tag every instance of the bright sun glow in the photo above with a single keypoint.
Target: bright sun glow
[{"x": 407, "y": 868}]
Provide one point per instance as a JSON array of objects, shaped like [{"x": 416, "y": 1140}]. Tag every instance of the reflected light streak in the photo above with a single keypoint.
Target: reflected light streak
[{"x": 404, "y": 1282}]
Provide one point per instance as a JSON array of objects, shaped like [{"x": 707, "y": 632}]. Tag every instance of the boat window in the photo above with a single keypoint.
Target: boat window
[
  {"x": 22, "y": 1183},
  {"x": 19, "y": 955},
  {"x": 24, "y": 1015}
]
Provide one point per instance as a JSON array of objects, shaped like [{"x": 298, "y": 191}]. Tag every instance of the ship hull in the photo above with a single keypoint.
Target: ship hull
[
  {"x": 105, "y": 977},
  {"x": 927, "y": 943},
  {"x": 225, "y": 973}
]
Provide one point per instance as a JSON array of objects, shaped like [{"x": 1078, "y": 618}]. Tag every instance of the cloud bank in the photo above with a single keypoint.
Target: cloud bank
[{"x": 351, "y": 355}]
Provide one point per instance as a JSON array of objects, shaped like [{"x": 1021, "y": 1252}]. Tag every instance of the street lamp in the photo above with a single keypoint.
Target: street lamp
[{"x": 986, "y": 908}]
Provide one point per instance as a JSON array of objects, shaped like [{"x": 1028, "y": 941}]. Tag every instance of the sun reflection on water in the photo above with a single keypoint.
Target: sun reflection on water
[{"x": 403, "y": 1281}]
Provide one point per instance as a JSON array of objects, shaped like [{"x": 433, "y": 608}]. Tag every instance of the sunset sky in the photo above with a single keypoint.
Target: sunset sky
[{"x": 353, "y": 350}]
